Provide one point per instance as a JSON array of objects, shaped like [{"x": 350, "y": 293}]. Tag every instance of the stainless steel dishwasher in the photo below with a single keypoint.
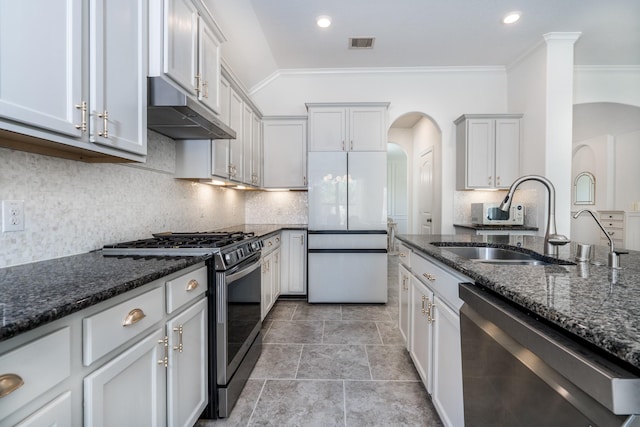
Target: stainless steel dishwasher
[{"x": 518, "y": 371}]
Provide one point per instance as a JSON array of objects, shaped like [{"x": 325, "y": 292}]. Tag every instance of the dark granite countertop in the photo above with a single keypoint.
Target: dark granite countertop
[
  {"x": 497, "y": 227},
  {"x": 594, "y": 302},
  {"x": 263, "y": 230},
  {"x": 34, "y": 294}
]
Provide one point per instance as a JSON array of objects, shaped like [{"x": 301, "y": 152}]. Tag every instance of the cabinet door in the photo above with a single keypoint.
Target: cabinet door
[
  {"x": 327, "y": 129},
  {"x": 55, "y": 413},
  {"x": 118, "y": 74},
  {"x": 209, "y": 64},
  {"x": 256, "y": 151},
  {"x": 247, "y": 143},
  {"x": 130, "y": 390},
  {"x": 187, "y": 372},
  {"x": 447, "y": 364},
  {"x": 327, "y": 191},
  {"x": 266, "y": 286},
  {"x": 507, "y": 152},
  {"x": 285, "y": 153},
  {"x": 294, "y": 262},
  {"x": 180, "y": 43},
  {"x": 403, "y": 292},
  {"x": 421, "y": 331},
  {"x": 276, "y": 276},
  {"x": 236, "y": 111},
  {"x": 367, "y": 129},
  {"x": 480, "y": 153},
  {"x": 220, "y": 147},
  {"x": 41, "y": 63}
]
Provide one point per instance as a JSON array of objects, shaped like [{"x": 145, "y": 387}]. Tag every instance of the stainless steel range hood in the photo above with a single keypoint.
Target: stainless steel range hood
[{"x": 174, "y": 114}]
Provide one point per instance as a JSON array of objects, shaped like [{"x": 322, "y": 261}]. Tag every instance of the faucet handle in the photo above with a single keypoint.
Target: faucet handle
[{"x": 558, "y": 239}]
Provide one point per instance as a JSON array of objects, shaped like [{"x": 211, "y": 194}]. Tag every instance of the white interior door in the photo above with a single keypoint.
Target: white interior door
[{"x": 425, "y": 192}]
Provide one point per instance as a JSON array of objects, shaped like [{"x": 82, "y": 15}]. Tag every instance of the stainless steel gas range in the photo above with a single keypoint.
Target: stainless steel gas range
[{"x": 235, "y": 341}]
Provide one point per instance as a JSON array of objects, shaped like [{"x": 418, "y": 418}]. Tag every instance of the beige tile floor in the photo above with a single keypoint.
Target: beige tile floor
[{"x": 333, "y": 365}]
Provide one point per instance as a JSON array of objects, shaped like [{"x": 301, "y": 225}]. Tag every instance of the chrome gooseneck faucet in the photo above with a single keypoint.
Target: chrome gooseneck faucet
[
  {"x": 614, "y": 256},
  {"x": 551, "y": 238}
]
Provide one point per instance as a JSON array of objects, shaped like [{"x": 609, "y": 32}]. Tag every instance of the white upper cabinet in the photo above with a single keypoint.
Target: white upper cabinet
[
  {"x": 41, "y": 64},
  {"x": 118, "y": 69},
  {"x": 256, "y": 151},
  {"x": 180, "y": 61},
  {"x": 185, "y": 46},
  {"x": 285, "y": 152},
  {"x": 488, "y": 151},
  {"x": 67, "y": 93},
  {"x": 236, "y": 146},
  {"x": 348, "y": 127},
  {"x": 209, "y": 55}
]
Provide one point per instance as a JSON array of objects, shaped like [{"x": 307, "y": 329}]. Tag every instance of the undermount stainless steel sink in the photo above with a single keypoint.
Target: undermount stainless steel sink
[{"x": 491, "y": 255}]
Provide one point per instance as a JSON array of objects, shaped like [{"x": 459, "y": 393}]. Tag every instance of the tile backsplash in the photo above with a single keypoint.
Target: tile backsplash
[{"x": 73, "y": 207}]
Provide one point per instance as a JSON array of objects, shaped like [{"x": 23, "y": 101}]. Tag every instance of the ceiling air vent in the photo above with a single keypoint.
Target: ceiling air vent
[{"x": 361, "y": 42}]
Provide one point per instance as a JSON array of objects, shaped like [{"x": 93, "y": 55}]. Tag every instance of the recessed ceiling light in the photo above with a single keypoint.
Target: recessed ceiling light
[
  {"x": 511, "y": 17},
  {"x": 323, "y": 21}
]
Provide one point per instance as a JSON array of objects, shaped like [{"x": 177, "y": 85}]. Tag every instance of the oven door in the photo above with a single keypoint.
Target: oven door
[{"x": 238, "y": 319}]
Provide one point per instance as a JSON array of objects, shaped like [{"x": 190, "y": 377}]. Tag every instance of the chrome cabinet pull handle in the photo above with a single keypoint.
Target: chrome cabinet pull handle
[
  {"x": 351, "y": 144},
  {"x": 179, "y": 347},
  {"x": 105, "y": 124},
  {"x": 193, "y": 284},
  {"x": 83, "y": 116},
  {"x": 165, "y": 360},
  {"x": 133, "y": 317},
  {"x": 342, "y": 145},
  {"x": 205, "y": 85},
  {"x": 10, "y": 383}
]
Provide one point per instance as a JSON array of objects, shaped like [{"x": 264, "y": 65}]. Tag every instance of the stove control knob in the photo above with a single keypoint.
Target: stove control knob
[{"x": 227, "y": 257}]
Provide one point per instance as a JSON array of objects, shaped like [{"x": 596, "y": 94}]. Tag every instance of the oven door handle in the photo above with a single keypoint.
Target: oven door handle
[{"x": 241, "y": 270}]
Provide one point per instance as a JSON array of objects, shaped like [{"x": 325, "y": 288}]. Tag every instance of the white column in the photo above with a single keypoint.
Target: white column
[{"x": 559, "y": 121}]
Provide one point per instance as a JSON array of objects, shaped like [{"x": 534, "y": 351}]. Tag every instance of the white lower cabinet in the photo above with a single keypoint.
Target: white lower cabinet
[
  {"x": 138, "y": 359},
  {"x": 55, "y": 413},
  {"x": 433, "y": 338},
  {"x": 403, "y": 305},
  {"x": 447, "y": 357},
  {"x": 270, "y": 273},
  {"x": 421, "y": 330},
  {"x": 130, "y": 389},
  {"x": 294, "y": 262},
  {"x": 187, "y": 370}
]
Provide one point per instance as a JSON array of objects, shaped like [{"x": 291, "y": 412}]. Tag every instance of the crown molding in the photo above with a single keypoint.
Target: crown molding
[{"x": 374, "y": 70}]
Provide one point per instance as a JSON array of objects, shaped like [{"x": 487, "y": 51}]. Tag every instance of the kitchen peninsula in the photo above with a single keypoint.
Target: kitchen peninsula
[{"x": 526, "y": 315}]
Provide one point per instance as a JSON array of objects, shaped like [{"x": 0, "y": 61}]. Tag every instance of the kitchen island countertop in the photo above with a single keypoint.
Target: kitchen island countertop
[{"x": 589, "y": 300}]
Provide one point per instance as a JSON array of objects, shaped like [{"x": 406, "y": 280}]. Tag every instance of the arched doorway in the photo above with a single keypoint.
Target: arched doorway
[{"x": 418, "y": 136}]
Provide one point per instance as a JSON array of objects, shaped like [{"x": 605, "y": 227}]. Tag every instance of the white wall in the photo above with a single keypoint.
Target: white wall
[
  {"x": 441, "y": 94},
  {"x": 607, "y": 84},
  {"x": 73, "y": 207}
]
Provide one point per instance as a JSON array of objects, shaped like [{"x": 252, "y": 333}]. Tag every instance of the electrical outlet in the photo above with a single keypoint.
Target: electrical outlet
[{"x": 12, "y": 215}]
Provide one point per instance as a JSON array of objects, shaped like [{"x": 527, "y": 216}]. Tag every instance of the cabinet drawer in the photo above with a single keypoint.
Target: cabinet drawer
[
  {"x": 186, "y": 288},
  {"x": 440, "y": 281},
  {"x": 112, "y": 327},
  {"x": 404, "y": 253},
  {"x": 270, "y": 243},
  {"x": 611, "y": 216},
  {"x": 40, "y": 365}
]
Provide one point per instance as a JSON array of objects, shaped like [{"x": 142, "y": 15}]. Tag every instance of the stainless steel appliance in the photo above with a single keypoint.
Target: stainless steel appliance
[
  {"x": 519, "y": 371},
  {"x": 235, "y": 341},
  {"x": 347, "y": 246},
  {"x": 489, "y": 214}
]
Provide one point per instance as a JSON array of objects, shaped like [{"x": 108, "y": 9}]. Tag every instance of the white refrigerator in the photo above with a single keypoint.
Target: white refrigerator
[{"x": 347, "y": 246}]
